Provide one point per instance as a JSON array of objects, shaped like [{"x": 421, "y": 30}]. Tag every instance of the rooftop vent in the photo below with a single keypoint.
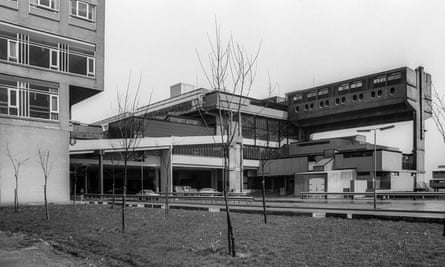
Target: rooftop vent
[{"x": 180, "y": 88}]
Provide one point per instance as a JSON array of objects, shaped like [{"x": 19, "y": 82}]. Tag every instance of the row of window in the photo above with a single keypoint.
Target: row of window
[
  {"x": 342, "y": 100},
  {"x": 378, "y": 81},
  {"x": 23, "y": 51},
  {"x": 78, "y": 9},
  {"x": 29, "y": 101}
]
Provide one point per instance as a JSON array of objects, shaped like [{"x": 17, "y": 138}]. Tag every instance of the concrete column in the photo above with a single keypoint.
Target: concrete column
[
  {"x": 101, "y": 171},
  {"x": 166, "y": 170},
  {"x": 235, "y": 168},
  {"x": 419, "y": 116},
  {"x": 213, "y": 179},
  {"x": 85, "y": 181}
]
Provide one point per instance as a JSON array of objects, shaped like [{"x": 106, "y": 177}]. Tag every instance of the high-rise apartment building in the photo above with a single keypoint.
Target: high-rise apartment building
[{"x": 51, "y": 57}]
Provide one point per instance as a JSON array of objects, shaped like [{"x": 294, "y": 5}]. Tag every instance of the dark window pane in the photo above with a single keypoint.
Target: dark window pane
[
  {"x": 73, "y": 7},
  {"x": 12, "y": 111},
  {"x": 3, "y": 48},
  {"x": 91, "y": 12},
  {"x": 55, "y": 58},
  {"x": 39, "y": 105},
  {"x": 13, "y": 98},
  {"x": 82, "y": 12},
  {"x": 3, "y": 100},
  {"x": 78, "y": 64},
  {"x": 44, "y": 2},
  {"x": 38, "y": 56},
  {"x": 54, "y": 104}
]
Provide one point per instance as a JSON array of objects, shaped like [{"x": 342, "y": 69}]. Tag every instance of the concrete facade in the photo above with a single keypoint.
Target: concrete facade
[
  {"x": 48, "y": 56},
  {"x": 274, "y": 133}
]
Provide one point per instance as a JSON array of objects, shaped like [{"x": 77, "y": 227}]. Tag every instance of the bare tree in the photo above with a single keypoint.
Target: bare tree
[
  {"x": 438, "y": 110},
  {"x": 47, "y": 166},
  {"x": 231, "y": 73},
  {"x": 16, "y": 163},
  {"x": 265, "y": 157},
  {"x": 166, "y": 165},
  {"x": 130, "y": 131}
]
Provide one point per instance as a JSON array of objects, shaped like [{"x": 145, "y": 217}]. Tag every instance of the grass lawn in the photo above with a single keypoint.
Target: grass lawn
[{"x": 197, "y": 238}]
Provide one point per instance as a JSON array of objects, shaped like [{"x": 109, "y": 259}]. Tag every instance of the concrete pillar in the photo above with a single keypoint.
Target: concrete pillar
[
  {"x": 213, "y": 179},
  {"x": 419, "y": 116},
  {"x": 166, "y": 170},
  {"x": 85, "y": 181},
  {"x": 235, "y": 179},
  {"x": 101, "y": 171}
]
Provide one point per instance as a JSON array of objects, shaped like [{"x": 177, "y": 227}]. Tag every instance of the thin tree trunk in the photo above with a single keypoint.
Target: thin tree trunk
[
  {"x": 46, "y": 201},
  {"x": 75, "y": 188},
  {"x": 230, "y": 237},
  {"x": 124, "y": 195},
  {"x": 112, "y": 198},
  {"x": 264, "y": 196},
  {"x": 15, "y": 200}
]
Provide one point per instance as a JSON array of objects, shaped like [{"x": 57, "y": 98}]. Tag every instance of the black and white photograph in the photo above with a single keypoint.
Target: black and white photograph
[{"x": 222, "y": 133}]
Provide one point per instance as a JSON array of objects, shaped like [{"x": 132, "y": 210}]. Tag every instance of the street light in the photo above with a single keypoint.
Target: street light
[{"x": 374, "y": 177}]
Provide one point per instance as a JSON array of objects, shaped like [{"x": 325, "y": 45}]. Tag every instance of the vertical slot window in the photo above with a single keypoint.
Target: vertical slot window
[
  {"x": 91, "y": 68},
  {"x": 54, "y": 107},
  {"x": 13, "y": 50},
  {"x": 54, "y": 59},
  {"x": 12, "y": 101}
]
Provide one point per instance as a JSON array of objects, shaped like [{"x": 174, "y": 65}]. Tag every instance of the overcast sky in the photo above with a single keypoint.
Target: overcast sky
[{"x": 304, "y": 43}]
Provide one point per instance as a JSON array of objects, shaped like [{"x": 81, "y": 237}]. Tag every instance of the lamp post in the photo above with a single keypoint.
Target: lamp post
[{"x": 374, "y": 177}]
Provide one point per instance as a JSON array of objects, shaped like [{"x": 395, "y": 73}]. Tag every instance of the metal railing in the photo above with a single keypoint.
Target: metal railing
[
  {"x": 212, "y": 198},
  {"x": 381, "y": 195}
]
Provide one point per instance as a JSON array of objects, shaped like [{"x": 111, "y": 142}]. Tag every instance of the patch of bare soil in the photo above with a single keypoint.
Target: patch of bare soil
[{"x": 196, "y": 238}]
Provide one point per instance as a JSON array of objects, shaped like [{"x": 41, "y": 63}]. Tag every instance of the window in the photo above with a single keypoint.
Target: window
[
  {"x": 12, "y": 101},
  {"x": 360, "y": 97},
  {"x": 27, "y": 100},
  {"x": 343, "y": 87},
  {"x": 357, "y": 84},
  {"x": 306, "y": 107},
  {"x": 297, "y": 109},
  {"x": 12, "y": 50},
  {"x": 321, "y": 104},
  {"x": 337, "y": 101},
  {"x": 297, "y": 98},
  {"x": 343, "y": 100},
  {"x": 392, "y": 91},
  {"x": 54, "y": 107},
  {"x": 379, "y": 80},
  {"x": 311, "y": 106},
  {"x": 372, "y": 94},
  {"x": 354, "y": 98},
  {"x": 379, "y": 93},
  {"x": 324, "y": 91},
  {"x": 394, "y": 76},
  {"x": 91, "y": 70},
  {"x": 83, "y": 10},
  {"x": 311, "y": 94},
  {"x": 47, "y": 4},
  {"x": 54, "y": 59},
  {"x": 326, "y": 103}
]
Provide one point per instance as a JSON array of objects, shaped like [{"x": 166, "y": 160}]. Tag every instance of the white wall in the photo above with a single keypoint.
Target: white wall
[{"x": 23, "y": 139}]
